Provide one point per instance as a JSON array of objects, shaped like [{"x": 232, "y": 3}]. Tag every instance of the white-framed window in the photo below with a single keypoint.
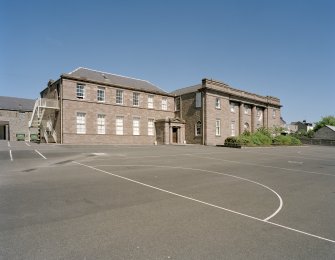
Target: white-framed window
[
  {"x": 119, "y": 125},
  {"x": 198, "y": 128},
  {"x": 81, "y": 123},
  {"x": 81, "y": 91},
  {"x": 101, "y": 94},
  {"x": 136, "y": 126},
  {"x": 217, "y": 103},
  {"x": 232, "y": 107},
  {"x": 150, "y": 101},
  {"x": 151, "y": 126},
  {"x": 232, "y": 128},
  {"x": 259, "y": 114},
  {"x": 217, "y": 127},
  {"x": 101, "y": 124},
  {"x": 198, "y": 99},
  {"x": 136, "y": 99},
  {"x": 274, "y": 112},
  {"x": 246, "y": 109},
  {"x": 164, "y": 103},
  {"x": 119, "y": 97}
]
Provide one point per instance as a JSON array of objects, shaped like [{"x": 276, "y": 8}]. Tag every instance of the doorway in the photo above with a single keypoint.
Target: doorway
[{"x": 175, "y": 135}]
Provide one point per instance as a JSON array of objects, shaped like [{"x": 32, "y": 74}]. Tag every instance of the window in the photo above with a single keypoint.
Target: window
[
  {"x": 80, "y": 91},
  {"x": 232, "y": 107},
  {"x": 198, "y": 128},
  {"x": 246, "y": 127},
  {"x": 259, "y": 114},
  {"x": 217, "y": 103},
  {"x": 177, "y": 104},
  {"x": 119, "y": 97},
  {"x": 198, "y": 99},
  {"x": 136, "y": 99},
  {"x": 119, "y": 125},
  {"x": 151, "y": 126},
  {"x": 164, "y": 103},
  {"x": 101, "y": 94},
  {"x": 151, "y": 101},
  {"x": 246, "y": 109},
  {"x": 274, "y": 111},
  {"x": 81, "y": 123},
  {"x": 101, "y": 125},
  {"x": 136, "y": 126},
  {"x": 232, "y": 127},
  {"x": 218, "y": 127}
]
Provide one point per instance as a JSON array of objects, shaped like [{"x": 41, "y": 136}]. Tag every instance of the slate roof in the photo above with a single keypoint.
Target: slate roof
[
  {"x": 113, "y": 79},
  {"x": 16, "y": 104},
  {"x": 186, "y": 90},
  {"x": 331, "y": 127}
]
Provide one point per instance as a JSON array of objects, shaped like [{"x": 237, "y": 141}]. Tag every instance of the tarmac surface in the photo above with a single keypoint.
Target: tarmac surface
[{"x": 166, "y": 202}]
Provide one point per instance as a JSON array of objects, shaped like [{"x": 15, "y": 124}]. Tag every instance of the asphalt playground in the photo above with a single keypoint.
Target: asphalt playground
[{"x": 166, "y": 202}]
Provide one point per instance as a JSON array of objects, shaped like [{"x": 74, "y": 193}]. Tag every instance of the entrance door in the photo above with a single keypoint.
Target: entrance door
[{"x": 175, "y": 135}]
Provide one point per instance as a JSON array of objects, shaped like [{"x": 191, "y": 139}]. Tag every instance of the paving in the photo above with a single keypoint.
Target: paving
[{"x": 166, "y": 202}]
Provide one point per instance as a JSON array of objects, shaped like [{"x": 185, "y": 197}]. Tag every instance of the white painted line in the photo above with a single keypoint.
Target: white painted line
[
  {"x": 265, "y": 166},
  {"x": 10, "y": 154},
  {"x": 8, "y": 144},
  {"x": 208, "y": 204},
  {"x": 28, "y": 144},
  {"x": 40, "y": 154},
  {"x": 295, "y": 162}
]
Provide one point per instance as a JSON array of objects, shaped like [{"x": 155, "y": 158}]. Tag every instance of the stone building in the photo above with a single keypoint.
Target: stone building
[
  {"x": 92, "y": 107},
  {"x": 14, "y": 116},
  {"x": 214, "y": 111}
]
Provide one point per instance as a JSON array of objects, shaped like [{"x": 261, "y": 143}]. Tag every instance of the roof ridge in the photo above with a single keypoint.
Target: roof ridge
[{"x": 103, "y": 72}]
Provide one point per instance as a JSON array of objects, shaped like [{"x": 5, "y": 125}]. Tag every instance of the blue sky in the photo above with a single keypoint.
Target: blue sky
[{"x": 279, "y": 48}]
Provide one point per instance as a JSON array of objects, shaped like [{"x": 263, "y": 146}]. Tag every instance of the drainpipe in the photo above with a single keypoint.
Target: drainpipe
[
  {"x": 61, "y": 109},
  {"x": 203, "y": 117}
]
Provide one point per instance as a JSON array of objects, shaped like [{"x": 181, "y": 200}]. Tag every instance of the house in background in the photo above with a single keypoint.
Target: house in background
[
  {"x": 14, "y": 116},
  {"x": 327, "y": 132},
  {"x": 214, "y": 111},
  {"x": 301, "y": 126}
]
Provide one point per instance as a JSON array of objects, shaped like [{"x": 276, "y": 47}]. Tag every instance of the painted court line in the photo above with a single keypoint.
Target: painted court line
[
  {"x": 10, "y": 154},
  {"x": 28, "y": 144},
  {"x": 265, "y": 166},
  {"x": 8, "y": 144},
  {"x": 209, "y": 204},
  {"x": 40, "y": 154}
]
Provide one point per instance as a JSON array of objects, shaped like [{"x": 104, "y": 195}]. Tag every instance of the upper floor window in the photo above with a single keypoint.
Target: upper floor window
[
  {"x": 217, "y": 103},
  {"x": 232, "y": 107},
  {"x": 198, "y": 99},
  {"x": 151, "y": 101},
  {"x": 164, "y": 103},
  {"x": 136, "y": 99},
  {"x": 246, "y": 109},
  {"x": 101, "y": 94},
  {"x": 80, "y": 91},
  {"x": 274, "y": 112},
  {"x": 177, "y": 104},
  {"x": 119, "y": 96}
]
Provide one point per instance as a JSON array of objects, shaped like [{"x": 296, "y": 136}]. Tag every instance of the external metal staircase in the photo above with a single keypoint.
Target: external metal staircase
[{"x": 40, "y": 118}]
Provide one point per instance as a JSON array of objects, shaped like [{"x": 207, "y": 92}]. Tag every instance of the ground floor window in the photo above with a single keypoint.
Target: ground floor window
[
  {"x": 218, "y": 127},
  {"x": 151, "y": 126},
  {"x": 101, "y": 124},
  {"x": 81, "y": 123},
  {"x": 198, "y": 127},
  {"x": 136, "y": 126},
  {"x": 119, "y": 125},
  {"x": 232, "y": 128}
]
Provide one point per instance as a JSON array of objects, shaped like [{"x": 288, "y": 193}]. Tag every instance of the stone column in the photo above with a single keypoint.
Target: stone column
[
  {"x": 265, "y": 117},
  {"x": 7, "y": 132},
  {"x": 241, "y": 117},
  {"x": 253, "y": 119}
]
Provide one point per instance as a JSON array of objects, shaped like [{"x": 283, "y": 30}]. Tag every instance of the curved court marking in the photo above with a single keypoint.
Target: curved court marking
[
  {"x": 208, "y": 204},
  {"x": 194, "y": 169}
]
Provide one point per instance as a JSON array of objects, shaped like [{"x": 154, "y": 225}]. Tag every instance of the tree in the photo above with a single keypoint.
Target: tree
[{"x": 327, "y": 120}]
